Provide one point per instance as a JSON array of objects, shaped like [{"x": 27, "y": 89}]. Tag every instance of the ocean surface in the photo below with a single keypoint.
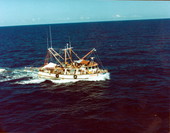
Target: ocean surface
[{"x": 136, "y": 98}]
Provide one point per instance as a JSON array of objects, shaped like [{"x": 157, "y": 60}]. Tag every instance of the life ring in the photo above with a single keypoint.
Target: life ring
[
  {"x": 57, "y": 75},
  {"x": 75, "y": 76}
]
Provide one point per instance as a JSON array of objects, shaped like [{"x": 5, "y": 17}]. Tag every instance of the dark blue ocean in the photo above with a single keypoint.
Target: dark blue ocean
[{"x": 136, "y": 99}]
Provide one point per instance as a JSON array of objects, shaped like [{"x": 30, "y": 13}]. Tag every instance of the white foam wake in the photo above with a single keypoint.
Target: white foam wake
[
  {"x": 2, "y": 70},
  {"x": 40, "y": 80},
  {"x": 31, "y": 81},
  {"x": 8, "y": 74},
  {"x": 100, "y": 78},
  {"x": 27, "y": 76}
]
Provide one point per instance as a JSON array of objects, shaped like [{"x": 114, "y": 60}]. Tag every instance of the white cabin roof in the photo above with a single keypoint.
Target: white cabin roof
[{"x": 50, "y": 65}]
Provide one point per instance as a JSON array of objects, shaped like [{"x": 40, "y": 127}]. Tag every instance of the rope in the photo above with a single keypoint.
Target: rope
[{"x": 100, "y": 62}]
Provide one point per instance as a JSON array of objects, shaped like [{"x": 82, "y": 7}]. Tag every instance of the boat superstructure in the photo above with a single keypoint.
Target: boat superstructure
[{"x": 67, "y": 64}]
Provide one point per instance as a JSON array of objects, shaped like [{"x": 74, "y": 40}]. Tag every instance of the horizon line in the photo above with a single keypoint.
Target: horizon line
[{"x": 84, "y": 22}]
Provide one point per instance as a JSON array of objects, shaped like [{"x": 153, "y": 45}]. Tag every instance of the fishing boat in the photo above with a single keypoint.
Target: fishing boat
[{"x": 67, "y": 65}]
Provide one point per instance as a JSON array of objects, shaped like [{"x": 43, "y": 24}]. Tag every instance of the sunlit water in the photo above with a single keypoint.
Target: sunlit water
[{"x": 134, "y": 100}]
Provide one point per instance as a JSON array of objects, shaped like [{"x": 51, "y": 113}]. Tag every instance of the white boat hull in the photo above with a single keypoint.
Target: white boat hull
[{"x": 98, "y": 76}]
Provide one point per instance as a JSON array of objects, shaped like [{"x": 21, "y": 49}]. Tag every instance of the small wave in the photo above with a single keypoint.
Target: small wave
[{"x": 31, "y": 81}]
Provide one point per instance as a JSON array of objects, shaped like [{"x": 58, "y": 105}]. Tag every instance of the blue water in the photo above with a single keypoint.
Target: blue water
[{"x": 136, "y": 99}]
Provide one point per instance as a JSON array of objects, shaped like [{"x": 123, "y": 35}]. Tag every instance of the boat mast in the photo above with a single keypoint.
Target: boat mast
[
  {"x": 47, "y": 42},
  {"x": 65, "y": 56},
  {"x": 50, "y": 36},
  {"x": 70, "y": 49},
  {"x": 68, "y": 53}
]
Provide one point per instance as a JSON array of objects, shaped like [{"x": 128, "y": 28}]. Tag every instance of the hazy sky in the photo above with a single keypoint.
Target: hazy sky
[{"x": 25, "y": 12}]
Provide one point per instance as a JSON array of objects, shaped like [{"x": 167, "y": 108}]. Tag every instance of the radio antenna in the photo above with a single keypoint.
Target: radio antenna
[{"x": 50, "y": 37}]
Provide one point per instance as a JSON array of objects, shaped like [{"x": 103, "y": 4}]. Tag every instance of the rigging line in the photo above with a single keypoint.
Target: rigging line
[
  {"x": 89, "y": 55},
  {"x": 99, "y": 60},
  {"x": 76, "y": 55},
  {"x": 101, "y": 63}
]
